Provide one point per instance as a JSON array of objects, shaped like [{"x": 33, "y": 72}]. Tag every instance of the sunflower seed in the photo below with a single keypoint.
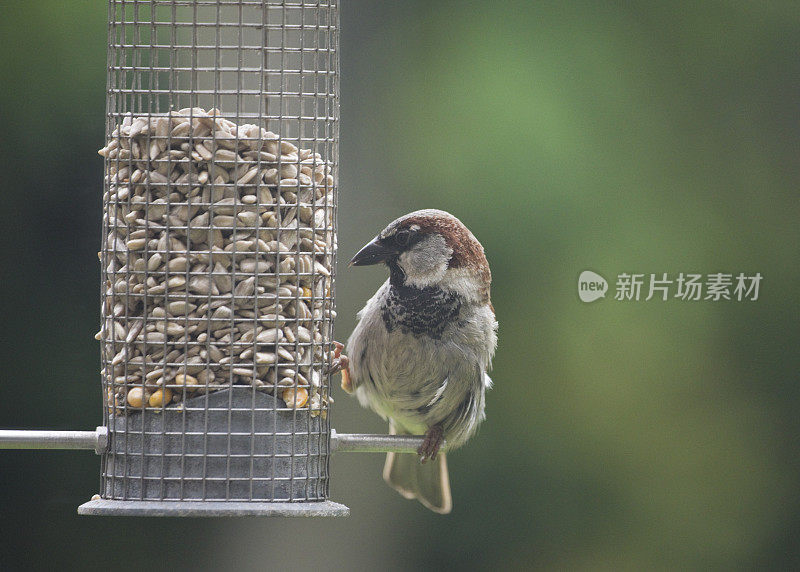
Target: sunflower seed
[{"x": 199, "y": 194}]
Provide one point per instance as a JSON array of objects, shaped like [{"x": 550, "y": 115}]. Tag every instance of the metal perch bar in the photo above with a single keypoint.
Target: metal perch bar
[
  {"x": 368, "y": 443},
  {"x": 97, "y": 441}
]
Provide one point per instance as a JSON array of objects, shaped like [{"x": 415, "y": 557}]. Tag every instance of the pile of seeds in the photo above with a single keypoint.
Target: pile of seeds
[{"x": 217, "y": 262}]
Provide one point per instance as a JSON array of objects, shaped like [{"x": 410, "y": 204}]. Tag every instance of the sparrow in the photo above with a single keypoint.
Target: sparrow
[{"x": 422, "y": 346}]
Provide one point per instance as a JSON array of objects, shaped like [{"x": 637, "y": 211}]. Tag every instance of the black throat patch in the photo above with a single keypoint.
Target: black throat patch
[{"x": 420, "y": 311}]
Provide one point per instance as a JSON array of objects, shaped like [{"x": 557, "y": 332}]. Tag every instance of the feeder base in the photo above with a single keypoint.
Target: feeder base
[{"x": 102, "y": 507}]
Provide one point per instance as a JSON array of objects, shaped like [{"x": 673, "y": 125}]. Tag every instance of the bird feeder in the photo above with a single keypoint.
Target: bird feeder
[
  {"x": 218, "y": 263},
  {"x": 218, "y": 255}
]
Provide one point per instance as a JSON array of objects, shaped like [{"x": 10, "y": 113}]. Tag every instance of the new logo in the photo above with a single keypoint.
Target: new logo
[{"x": 591, "y": 286}]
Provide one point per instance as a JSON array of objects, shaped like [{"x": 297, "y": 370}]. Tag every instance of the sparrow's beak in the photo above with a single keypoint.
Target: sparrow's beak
[{"x": 373, "y": 253}]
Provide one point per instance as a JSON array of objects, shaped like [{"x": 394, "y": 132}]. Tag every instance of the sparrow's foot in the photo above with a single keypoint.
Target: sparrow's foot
[
  {"x": 341, "y": 363},
  {"x": 430, "y": 445}
]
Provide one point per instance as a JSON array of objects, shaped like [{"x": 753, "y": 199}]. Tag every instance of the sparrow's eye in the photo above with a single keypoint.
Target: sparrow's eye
[{"x": 401, "y": 238}]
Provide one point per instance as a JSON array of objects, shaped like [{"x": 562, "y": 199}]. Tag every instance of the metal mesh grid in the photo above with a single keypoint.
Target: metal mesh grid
[{"x": 218, "y": 249}]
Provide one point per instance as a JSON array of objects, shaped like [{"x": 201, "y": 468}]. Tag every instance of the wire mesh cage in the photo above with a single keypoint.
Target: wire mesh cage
[{"x": 218, "y": 256}]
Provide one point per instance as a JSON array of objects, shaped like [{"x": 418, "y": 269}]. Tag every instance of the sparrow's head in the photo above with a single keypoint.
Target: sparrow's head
[{"x": 430, "y": 248}]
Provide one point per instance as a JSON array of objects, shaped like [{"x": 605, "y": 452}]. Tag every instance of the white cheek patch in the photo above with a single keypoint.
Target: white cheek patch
[{"x": 425, "y": 264}]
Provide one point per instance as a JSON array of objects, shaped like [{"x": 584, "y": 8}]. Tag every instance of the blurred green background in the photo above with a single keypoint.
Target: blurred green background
[{"x": 618, "y": 137}]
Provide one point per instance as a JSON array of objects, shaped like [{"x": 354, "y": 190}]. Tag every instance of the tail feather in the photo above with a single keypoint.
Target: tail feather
[{"x": 429, "y": 483}]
